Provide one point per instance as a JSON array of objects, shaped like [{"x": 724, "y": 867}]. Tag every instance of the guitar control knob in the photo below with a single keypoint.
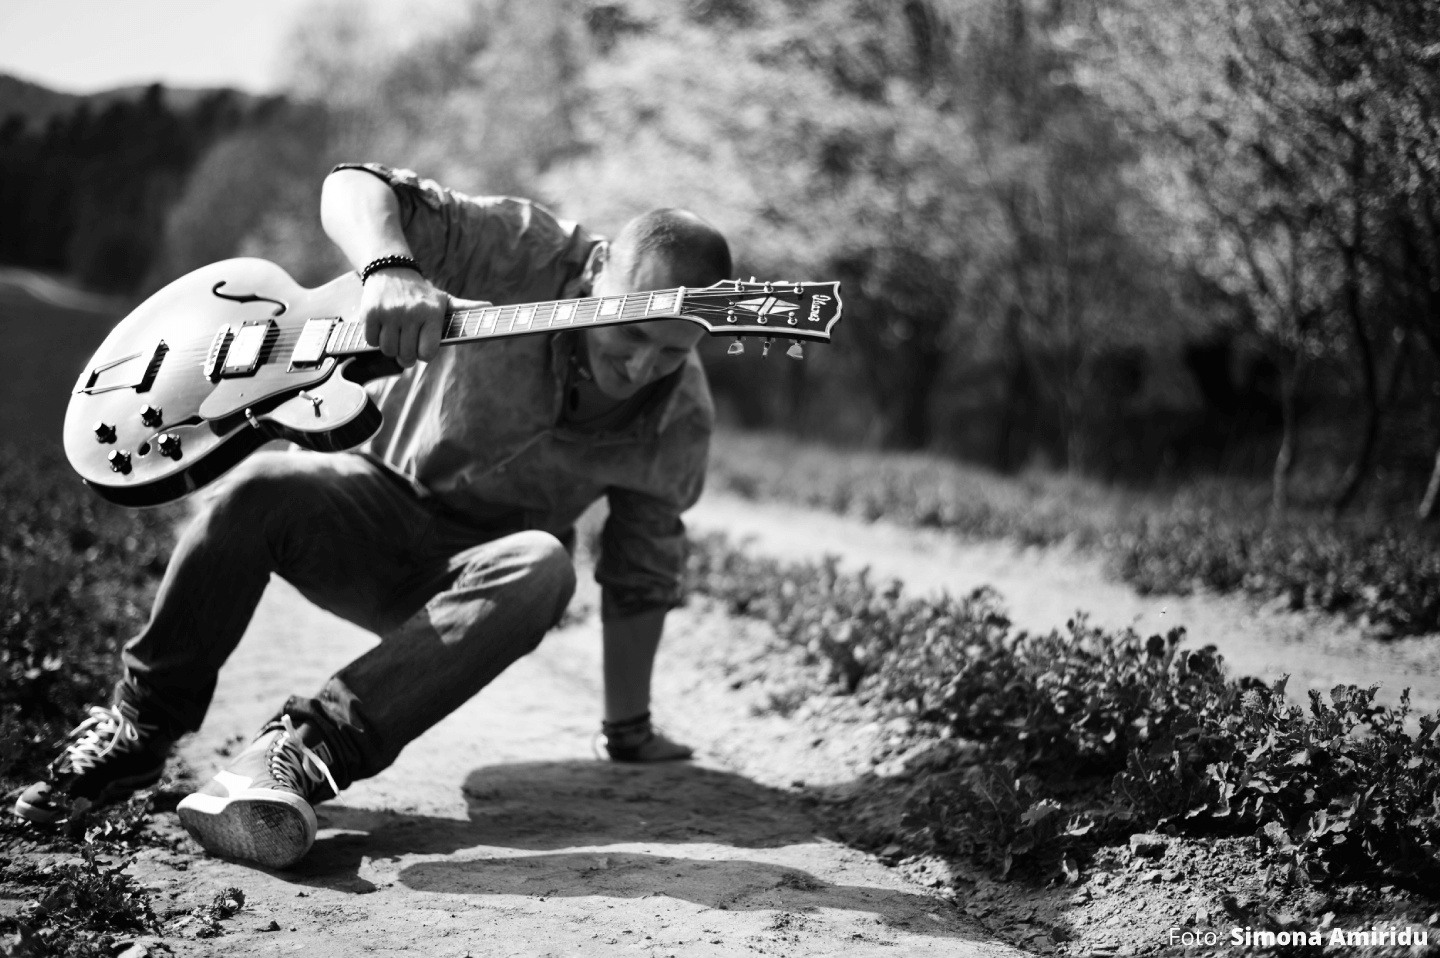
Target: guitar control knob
[
  {"x": 119, "y": 461},
  {"x": 169, "y": 445},
  {"x": 104, "y": 432},
  {"x": 151, "y": 417}
]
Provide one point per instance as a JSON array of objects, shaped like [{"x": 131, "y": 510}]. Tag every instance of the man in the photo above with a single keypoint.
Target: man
[{"x": 446, "y": 535}]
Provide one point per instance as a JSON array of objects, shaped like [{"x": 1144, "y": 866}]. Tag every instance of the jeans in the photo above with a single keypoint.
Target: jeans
[{"x": 454, "y": 602}]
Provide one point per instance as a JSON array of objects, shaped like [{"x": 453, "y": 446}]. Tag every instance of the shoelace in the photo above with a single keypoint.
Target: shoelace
[
  {"x": 112, "y": 729},
  {"x": 294, "y": 765}
]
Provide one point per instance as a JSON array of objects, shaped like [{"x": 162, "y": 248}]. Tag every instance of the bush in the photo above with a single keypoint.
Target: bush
[
  {"x": 76, "y": 578},
  {"x": 1388, "y": 577},
  {"x": 1087, "y": 733}
]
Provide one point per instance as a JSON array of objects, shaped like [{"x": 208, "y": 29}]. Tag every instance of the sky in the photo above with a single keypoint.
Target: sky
[{"x": 84, "y": 46}]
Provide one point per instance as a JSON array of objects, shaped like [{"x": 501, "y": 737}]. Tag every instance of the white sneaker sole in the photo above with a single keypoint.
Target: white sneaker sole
[{"x": 267, "y": 826}]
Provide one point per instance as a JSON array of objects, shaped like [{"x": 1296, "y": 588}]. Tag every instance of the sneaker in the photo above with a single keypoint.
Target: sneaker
[
  {"x": 259, "y": 809},
  {"x": 636, "y": 740},
  {"x": 110, "y": 756}
]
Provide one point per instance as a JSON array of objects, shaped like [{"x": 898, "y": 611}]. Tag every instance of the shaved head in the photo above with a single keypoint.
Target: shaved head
[{"x": 693, "y": 251}]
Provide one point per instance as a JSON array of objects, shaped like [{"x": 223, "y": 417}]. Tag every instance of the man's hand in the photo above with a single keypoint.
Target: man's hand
[{"x": 405, "y": 314}]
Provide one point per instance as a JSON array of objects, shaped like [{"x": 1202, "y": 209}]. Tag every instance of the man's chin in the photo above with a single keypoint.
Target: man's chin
[{"x": 616, "y": 389}]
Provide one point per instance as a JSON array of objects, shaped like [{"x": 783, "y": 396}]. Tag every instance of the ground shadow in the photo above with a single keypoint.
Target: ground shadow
[
  {"x": 577, "y": 809},
  {"x": 538, "y": 806}
]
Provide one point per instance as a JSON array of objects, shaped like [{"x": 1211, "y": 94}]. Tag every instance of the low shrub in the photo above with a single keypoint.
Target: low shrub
[
  {"x": 76, "y": 578},
  {"x": 1086, "y": 733},
  {"x": 1389, "y": 577}
]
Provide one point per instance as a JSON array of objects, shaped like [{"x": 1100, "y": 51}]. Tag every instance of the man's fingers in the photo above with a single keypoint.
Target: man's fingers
[
  {"x": 428, "y": 343},
  {"x": 372, "y": 329},
  {"x": 389, "y": 339},
  {"x": 405, "y": 353}
]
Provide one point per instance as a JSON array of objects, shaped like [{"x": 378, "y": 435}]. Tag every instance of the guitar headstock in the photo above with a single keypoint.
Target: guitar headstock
[{"x": 778, "y": 310}]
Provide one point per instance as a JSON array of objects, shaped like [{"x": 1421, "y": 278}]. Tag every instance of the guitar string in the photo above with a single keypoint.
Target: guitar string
[{"x": 289, "y": 336}]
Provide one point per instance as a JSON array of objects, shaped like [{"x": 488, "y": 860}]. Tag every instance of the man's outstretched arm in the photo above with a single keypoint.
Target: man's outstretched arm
[{"x": 404, "y": 313}]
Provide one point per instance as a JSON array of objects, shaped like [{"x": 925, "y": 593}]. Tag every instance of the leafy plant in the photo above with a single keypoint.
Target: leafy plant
[
  {"x": 1388, "y": 577},
  {"x": 1088, "y": 733}
]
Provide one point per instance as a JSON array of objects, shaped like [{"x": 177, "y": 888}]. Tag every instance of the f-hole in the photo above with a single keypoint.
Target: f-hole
[{"x": 249, "y": 298}]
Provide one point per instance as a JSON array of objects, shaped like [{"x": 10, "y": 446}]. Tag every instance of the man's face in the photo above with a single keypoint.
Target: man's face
[{"x": 625, "y": 359}]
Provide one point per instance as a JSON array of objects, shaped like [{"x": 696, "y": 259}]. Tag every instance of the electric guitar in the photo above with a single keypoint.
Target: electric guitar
[{"x": 237, "y": 353}]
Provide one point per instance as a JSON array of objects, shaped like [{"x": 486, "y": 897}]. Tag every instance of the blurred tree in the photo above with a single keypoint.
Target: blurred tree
[{"x": 1286, "y": 143}]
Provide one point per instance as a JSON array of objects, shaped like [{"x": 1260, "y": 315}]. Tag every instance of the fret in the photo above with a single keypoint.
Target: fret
[
  {"x": 661, "y": 302},
  {"x": 545, "y": 315},
  {"x": 586, "y": 310},
  {"x": 523, "y": 316},
  {"x": 611, "y": 308},
  {"x": 564, "y": 312}
]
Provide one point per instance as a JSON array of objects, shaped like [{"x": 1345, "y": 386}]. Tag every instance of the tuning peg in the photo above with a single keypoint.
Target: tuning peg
[
  {"x": 736, "y": 348},
  {"x": 795, "y": 352},
  {"x": 765, "y": 351}
]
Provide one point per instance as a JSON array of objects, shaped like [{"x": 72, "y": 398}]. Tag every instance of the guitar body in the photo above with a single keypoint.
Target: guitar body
[
  {"x": 148, "y": 381},
  {"x": 237, "y": 353}
]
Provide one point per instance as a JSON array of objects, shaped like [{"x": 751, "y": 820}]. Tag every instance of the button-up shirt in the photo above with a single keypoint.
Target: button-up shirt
[{"x": 480, "y": 428}]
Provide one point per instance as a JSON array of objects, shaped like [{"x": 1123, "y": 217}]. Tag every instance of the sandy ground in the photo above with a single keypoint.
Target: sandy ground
[
  {"x": 1042, "y": 588},
  {"x": 499, "y": 833}
]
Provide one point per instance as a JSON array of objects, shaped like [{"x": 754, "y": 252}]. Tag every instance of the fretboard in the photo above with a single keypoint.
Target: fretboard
[{"x": 494, "y": 322}]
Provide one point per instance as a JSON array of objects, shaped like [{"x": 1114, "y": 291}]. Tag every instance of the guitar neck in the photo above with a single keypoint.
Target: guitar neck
[{"x": 347, "y": 338}]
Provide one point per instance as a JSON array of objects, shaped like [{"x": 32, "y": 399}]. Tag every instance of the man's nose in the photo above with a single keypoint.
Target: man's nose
[{"x": 638, "y": 366}]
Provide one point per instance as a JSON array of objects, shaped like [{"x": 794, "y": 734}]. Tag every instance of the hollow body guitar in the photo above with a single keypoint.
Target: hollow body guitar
[{"x": 237, "y": 353}]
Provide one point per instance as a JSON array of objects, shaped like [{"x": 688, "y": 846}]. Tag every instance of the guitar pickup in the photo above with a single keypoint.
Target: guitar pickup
[
  {"x": 309, "y": 351},
  {"x": 243, "y": 356}
]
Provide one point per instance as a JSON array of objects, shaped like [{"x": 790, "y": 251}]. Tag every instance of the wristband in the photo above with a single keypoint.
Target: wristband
[{"x": 388, "y": 262}]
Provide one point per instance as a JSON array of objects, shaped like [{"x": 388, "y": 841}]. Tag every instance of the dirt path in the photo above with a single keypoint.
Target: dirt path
[
  {"x": 1044, "y": 587},
  {"x": 498, "y": 833}
]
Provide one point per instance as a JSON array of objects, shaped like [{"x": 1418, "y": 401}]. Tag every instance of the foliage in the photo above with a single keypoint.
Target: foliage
[
  {"x": 89, "y": 193},
  {"x": 79, "y": 907},
  {"x": 1088, "y": 733},
  {"x": 76, "y": 575},
  {"x": 1386, "y": 576}
]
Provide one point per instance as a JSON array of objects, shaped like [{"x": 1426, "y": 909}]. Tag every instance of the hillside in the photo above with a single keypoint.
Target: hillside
[{"x": 38, "y": 103}]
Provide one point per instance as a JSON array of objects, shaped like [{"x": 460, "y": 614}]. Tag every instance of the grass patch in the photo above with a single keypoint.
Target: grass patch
[
  {"x": 1088, "y": 736},
  {"x": 76, "y": 579},
  {"x": 1205, "y": 537}
]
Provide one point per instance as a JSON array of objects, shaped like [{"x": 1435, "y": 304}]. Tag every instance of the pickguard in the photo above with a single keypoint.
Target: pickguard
[{"x": 231, "y": 396}]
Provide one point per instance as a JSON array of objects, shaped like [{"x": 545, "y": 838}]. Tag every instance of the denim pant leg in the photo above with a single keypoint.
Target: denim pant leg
[
  {"x": 336, "y": 526},
  {"x": 487, "y": 606}
]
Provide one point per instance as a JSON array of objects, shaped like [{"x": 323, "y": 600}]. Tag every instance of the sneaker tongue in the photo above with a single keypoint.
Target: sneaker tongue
[{"x": 322, "y": 749}]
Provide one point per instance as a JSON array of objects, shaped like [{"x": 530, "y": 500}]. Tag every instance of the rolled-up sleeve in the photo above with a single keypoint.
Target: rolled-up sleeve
[
  {"x": 482, "y": 246},
  {"x": 642, "y": 548}
]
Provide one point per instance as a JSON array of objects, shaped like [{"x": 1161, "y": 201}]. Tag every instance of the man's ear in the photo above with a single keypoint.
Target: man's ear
[{"x": 595, "y": 263}]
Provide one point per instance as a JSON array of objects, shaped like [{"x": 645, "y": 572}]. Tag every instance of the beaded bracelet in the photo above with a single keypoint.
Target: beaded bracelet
[{"x": 388, "y": 262}]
